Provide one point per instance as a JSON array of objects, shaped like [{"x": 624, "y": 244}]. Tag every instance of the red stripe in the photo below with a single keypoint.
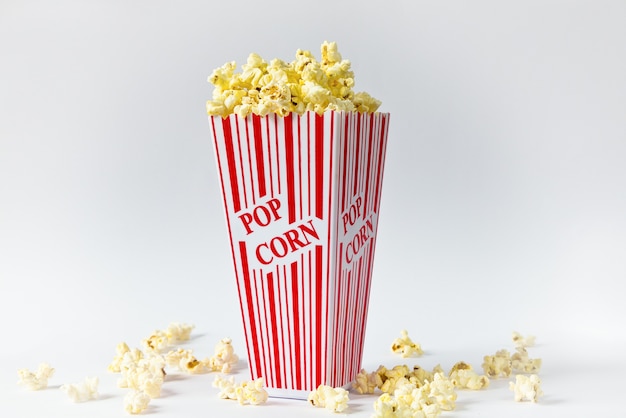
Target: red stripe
[
  {"x": 243, "y": 178},
  {"x": 298, "y": 118},
  {"x": 308, "y": 155},
  {"x": 296, "y": 324},
  {"x": 319, "y": 165},
  {"x": 249, "y": 150},
  {"x": 369, "y": 167},
  {"x": 314, "y": 355},
  {"x": 328, "y": 373},
  {"x": 258, "y": 149},
  {"x": 275, "y": 337},
  {"x": 318, "y": 314},
  {"x": 344, "y": 177},
  {"x": 264, "y": 332},
  {"x": 249, "y": 302},
  {"x": 357, "y": 153},
  {"x": 232, "y": 168},
  {"x": 357, "y": 318},
  {"x": 289, "y": 159},
  {"x": 282, "y": 328},
  {"x": 381, "y": 157}
]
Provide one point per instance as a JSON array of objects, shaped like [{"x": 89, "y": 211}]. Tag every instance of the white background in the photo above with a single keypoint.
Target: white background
[{"x": 504, "y": 202}]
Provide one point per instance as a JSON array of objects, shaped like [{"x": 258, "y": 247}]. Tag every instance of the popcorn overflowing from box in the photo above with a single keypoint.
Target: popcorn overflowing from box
[{"x": 300, "y": 158}]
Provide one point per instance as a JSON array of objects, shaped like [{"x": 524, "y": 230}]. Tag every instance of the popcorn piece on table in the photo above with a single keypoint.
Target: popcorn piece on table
[
  {"x": 366, "y": 383},
  {"x": 441, "y": 390},
  {"x": 463, "y": 376},
  {"x": 497, "y": 365},
  {"x": 224, "y": 357},
  {"x": 136, "y": 402},
  {"x": 120, "y": 350},
  {"x": 405, "y": 346},
  {"x": 160, "y": 340},
  {"x": 185, "y": 361},
  {"x": 406, "y": 401},
  {"x": 82, "y": 392},
  {"x": 37, "y": 380},
  {"x": 145, "y": 376},
  {"x": 521, "y": 362},
  {"x": 251, "y": 392},
  {"x": 333, "y": 399},
  {"x": 522, "y": 342},
  {"x": 526, "y": 388}
]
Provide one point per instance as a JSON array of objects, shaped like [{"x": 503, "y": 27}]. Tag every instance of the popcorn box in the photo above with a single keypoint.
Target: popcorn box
[{"x": 302, "y": 197}]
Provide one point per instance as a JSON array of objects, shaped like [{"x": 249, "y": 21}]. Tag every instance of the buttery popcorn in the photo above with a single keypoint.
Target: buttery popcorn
[
  {"x": 304, "y": 84},
  {"x": 37, "y": 380},
  {"x": 160, "y": 340},
  {"x": 463, "y": 376},
  {"x": 146, "y": 375},
  {"x": 136, "y": 402},
  {"x": 248, "y": 392},
  {"x": 526, "y": 388},
  {"x": 224, "y": 357},
  {"x": 405, "y": 346},
  {"x": 333, "y": 399},
  {"x": 120, "y": 350},
  {"x": 366, "y": 383},
  {"x": 521, "y": 362},
  {"x": 498, "y": 364},
  {"x": 521, "y": 342},
  {"x": 82, "y": 392}
]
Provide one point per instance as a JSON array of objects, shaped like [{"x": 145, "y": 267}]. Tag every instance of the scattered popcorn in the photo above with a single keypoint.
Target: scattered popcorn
[
  {"x": 161, "y": 340},
  {"x": 227, "y": 387},
  {"x": 277, "y": 87},
  {"x": 521, "y": 342},
  {"x": 497, "y": 365},
  {"x": 82, "y": 392},
  {"x": 146, "y": 375},
  {"x": 405, "y": 347},
  {"x": 224, "y": 357},
  {"x": 333, "y": 399},
  {"x": 526, "y": 388},
  {"x": 441, "y": 390},
  {"x": 136, "y": 402},
  {"x": 407, "y": 401},
  {"x": 185, "y": 361},
  {"x": 121, "y": 349},
  {"x": 37, "y": 380},
  {"x": 464, "y": 377},
  {"x": 521, "y": 362},
  {"x": 366, "y": 383},
  {"x": 251, "y": 392}
]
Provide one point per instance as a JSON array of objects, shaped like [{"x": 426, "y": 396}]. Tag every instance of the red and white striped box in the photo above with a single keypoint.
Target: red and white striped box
[{"x": 302, "y": 197}]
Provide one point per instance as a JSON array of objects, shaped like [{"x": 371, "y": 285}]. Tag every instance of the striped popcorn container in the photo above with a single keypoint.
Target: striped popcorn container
[{"x": 302, "y": 196}]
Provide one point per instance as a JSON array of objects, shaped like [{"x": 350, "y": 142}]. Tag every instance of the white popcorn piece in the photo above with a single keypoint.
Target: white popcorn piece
[
  {"x": 160, "y": 340},
  {"x": 464, "y": 377},
  {"x": 82, "y": 392},
  {"x": 521, "y": 342},
  {"x": 227, "y": 387},
  {"x": 441, "y": 390},
  {"x": 521, "y": 362},
  {"x": 224, "y": 357},
  {"x": 248, "y": 392},
  {"x": 135, "y": 402},
  {"x": 497, "y": 365},
  {"x": 407, "y": 401},
  {"x": 184, "y": 360},
  {"x": 37, "y": 380},
  {"x": 120, "y": 350},
  {"x": 251, "y": 392},
  {"x": 366, "y": 383},
  {"x": 405, "y": 346},
  {"x": 146, "y": 376},
  {"x": 526, "y": 388},
  {"x": 178, "y": 332},
  {"x": 333, "y": 399}
]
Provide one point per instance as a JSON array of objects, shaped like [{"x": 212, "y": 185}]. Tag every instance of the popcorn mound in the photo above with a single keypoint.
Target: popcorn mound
[{"x": 302, "y": 85}]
